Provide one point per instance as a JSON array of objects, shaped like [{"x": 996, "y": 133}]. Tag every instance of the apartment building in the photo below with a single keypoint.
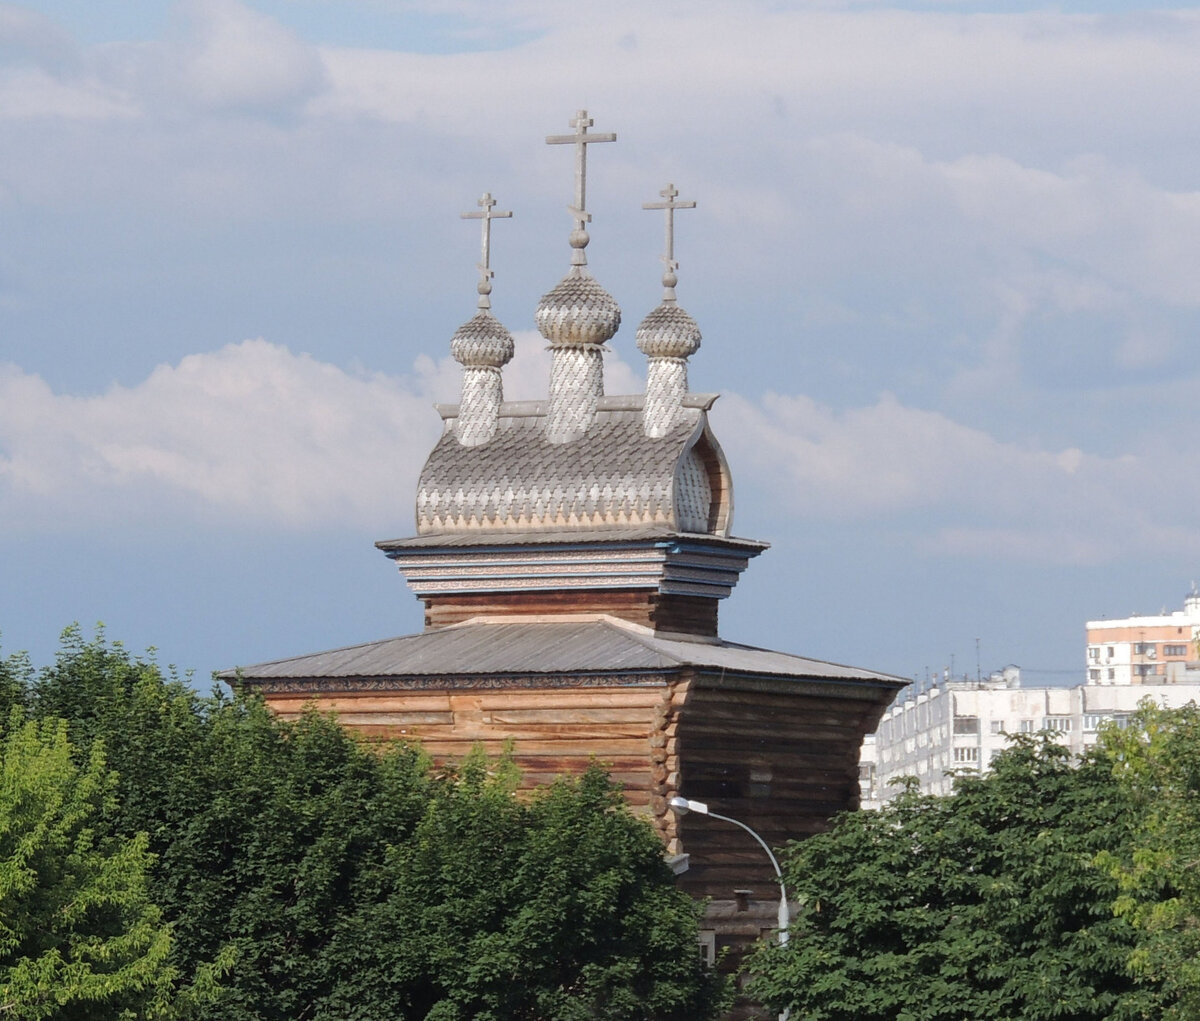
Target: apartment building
[
  {"x": 963, "y": 725},
  {"x": 1140, "y": 650}
]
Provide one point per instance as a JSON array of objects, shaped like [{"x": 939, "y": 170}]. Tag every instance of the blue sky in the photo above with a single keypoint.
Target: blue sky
[{"x": 944, "y": 258}]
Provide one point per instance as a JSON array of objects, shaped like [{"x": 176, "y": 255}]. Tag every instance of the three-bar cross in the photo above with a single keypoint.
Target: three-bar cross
[
  {"x": 581, "y": 140},
  {"x": 670, "y": 193},
  {"x": 487, "y": 214}
]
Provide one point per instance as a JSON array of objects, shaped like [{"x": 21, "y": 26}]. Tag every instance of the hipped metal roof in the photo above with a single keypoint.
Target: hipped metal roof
[{"x": 602, "y": 645}]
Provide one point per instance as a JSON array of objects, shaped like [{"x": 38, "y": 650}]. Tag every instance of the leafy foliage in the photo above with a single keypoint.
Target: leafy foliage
[
  {"x": 79, "y": 936},
  {"x": 559, "y": 908},
  {"x": 308, "y": 878},
  {"x": 1156, "y": 761},
  {"x": 984, "y": 904}
]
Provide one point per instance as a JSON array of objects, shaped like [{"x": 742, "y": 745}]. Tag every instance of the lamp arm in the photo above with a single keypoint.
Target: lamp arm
[{"x": 784, "y": 911}]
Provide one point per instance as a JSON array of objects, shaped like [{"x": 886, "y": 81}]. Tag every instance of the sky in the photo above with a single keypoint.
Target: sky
[{"x": 945, "y": 259}]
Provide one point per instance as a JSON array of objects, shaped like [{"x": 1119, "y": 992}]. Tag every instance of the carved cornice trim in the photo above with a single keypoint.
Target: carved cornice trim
[{"x": 330, "y": 685}]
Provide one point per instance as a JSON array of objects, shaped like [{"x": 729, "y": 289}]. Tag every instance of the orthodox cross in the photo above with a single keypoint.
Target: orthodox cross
[
  {"x": 670, "y": 193},
  {"x": 487, "y": 215},
  {"x": 581, "y": 140}
]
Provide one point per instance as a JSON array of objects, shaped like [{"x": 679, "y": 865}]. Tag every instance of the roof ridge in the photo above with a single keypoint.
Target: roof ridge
[{"x": 645, "y": 636}]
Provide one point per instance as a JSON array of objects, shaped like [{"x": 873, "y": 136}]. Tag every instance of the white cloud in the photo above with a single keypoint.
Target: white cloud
[
  {"x": 27, "y": 93},
  {"x": 230, "y": 56},
  {"x": 250, "y": 433},
  {"x": 253, "y": 433},
  {"x": 956, "y": 489}
]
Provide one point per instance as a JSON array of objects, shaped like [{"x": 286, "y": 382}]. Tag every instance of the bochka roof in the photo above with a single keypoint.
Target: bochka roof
[{"x": 612, "y": 476}]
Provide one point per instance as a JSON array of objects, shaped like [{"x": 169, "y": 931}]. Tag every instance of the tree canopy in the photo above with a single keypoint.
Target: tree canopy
[
  {"x": 79, "y": 935},
  {"x": 989, "y": 903},
  {"x": 309, "y": 878},
  {"x": 1157, "y": 765}
]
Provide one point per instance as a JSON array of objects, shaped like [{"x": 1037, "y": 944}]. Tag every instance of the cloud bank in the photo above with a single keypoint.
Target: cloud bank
[{"x": 256, "y": 433}]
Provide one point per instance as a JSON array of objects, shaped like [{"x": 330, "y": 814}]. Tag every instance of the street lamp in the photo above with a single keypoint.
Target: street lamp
[{"x": 681, "y": 806}]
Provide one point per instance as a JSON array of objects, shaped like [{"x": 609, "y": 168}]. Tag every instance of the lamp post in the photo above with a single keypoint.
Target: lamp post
[{"x": 681, "y": 806}]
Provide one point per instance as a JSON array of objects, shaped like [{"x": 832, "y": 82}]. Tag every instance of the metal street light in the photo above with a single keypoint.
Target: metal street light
[{"x": 681, "y": 806}]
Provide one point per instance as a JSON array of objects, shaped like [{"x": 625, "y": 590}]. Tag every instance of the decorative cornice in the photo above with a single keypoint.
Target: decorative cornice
[
  {"x": 333, "y": 685},
  {"x": 681, "y": 567}
]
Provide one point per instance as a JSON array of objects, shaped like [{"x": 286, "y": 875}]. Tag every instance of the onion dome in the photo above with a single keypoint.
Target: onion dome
[
  {"x": 578, "y": 312},
  {"x": 668, "y": 332},
  {"x": 482, "y": 342}
]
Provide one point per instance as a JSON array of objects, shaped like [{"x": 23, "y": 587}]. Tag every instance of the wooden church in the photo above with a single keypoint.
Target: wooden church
[{"x": 571, "y": 555}]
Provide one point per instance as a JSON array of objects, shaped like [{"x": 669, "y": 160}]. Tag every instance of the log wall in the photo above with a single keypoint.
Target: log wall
[
  {"x": 695, "y": 615},
  {"x": 774, "y": 757},
  {"x": 553, "y": 731}
]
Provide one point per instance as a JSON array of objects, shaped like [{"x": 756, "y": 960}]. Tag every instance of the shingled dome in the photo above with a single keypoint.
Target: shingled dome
[
  {"x": 578, "y": 311},
  {"x": 668, "y": 332},
  {"x": 482, "y": 342}
]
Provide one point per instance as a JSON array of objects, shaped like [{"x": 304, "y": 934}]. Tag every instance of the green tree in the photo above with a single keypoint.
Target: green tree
[
  {"x": 1156, "y": 761},
  {"x": 983, "y": 904},
  {"x": 314, "y": 879},
  {"x": 500, "y": 909},
  {"x": 79, "y": 936}
]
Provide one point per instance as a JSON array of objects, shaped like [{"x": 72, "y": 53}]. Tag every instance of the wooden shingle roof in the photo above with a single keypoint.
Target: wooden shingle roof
[{"x": 612, "y": 476}]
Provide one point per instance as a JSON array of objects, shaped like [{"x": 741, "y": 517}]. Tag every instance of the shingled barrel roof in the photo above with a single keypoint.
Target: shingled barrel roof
[{"x": 613, "y": 475}]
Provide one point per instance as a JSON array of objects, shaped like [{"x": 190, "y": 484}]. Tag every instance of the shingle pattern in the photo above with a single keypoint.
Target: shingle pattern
[
  {"x": 668, "y": 332},
  {"x": 612, "y": 476},
  {"x": 482, "y": 341},
  {"x": 577, "y": 311}
]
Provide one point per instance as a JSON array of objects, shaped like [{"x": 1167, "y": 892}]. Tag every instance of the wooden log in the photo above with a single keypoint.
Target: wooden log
[{"x": 661, "y": 611}]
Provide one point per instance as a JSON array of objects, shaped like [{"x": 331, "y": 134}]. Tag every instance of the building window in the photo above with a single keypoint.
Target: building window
[
  {"x": 1143, "y": 669},
  {"x": 1091, "y": 723},
  {"x": 1027, "y": 726},
  {"x": 1062, "y": 724},
  {"x": 707, "y": 939},
  {"x": 1093, "y": 652},
  {"x": 966, "y": 724},
  {"x": 1109, "y": 652},
  {"x": 1112, "y": 674},
  {"x": 1144, "y": 649},
  {"x": 997, "y": 726},
  {"x": 966, "y": 754},
  {"x": 1093, "y": 675},
  {"x": 1174, "y": 650}
]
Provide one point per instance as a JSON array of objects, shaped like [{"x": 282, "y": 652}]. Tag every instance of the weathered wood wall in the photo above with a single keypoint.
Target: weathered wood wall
[
  {"x": 775, "y": 758},
  {"x": 661, "y": 611},
  {"x": 553, "y": 731}
]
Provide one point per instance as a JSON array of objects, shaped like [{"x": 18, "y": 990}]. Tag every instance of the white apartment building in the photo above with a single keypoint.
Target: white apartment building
[
  {"x": 963, "y": 725},
  {"x": 1161, "y": 649}
]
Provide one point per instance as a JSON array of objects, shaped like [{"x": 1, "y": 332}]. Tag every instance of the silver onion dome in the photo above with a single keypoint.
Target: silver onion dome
[
  {"x": 668, "y": 332},
  {"x": 482, "y": 342},
  {"x": 578, "y": 312}
]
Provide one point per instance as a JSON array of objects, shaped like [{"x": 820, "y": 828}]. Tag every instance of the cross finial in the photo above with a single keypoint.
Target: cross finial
[
  {"x": 670, "y": 193},
  {"x": 487, "y": 214},
  {"x": 581, "y": 139}
]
